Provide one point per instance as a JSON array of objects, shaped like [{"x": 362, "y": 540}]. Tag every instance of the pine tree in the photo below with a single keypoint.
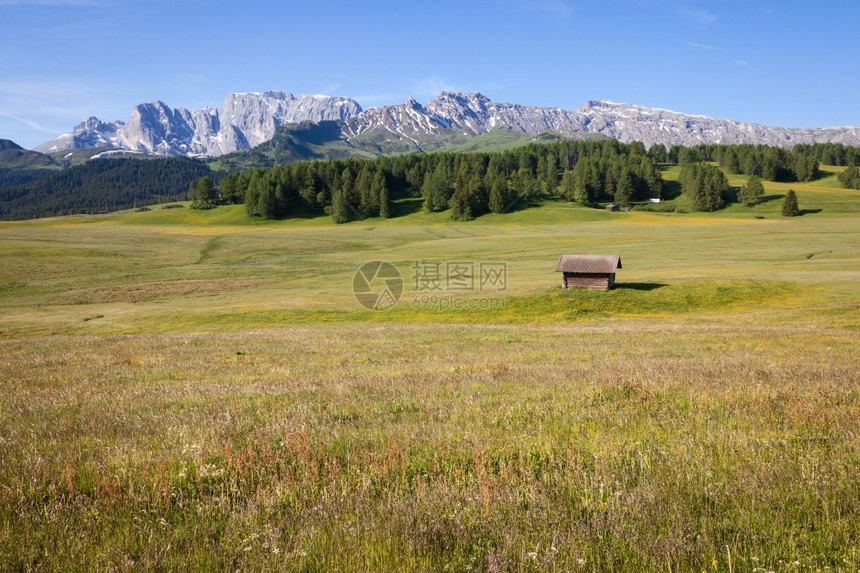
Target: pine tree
[
  {"x": 205, "y": 196},
  {"x": 568, "y": 185},
  {"x": 609, "y": 185},
  {"x": 252, "y": 193},
  {"x": 789, "y": 204},
  {"x": 769, "y": 168},
  {"x": 623, "y": 189},
  {"x": 232, "y": 189},
  {"x": 384, "y": 201},
  {"x": 551, "y": 173},
  {"x": 309, "y": 191},
  {"x": 850, "y": 178},
  {"x": 339, "y": 207},
  {"x": 268, "y": 201},
  {"x": 652, "y": 178},
  {"x": 657, "y": 152},
  {"x": 437, "y": 189},
  {"x": 750, "y": 193},
  {"x": 461, "y": 210},
  {"x": 498, "y": 196},
  {"x": 368, "y": 197},
  {"x": 730, "y": 159},
  {"x": 379, "y": 195},
  {"x": 415, "y": 178}
]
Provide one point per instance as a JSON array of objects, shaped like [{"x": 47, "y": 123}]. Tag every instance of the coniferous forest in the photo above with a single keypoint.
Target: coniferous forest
[
  {"x": 102, "y": 185},
  {"x": 471, "y": 184},
  {"x": 468, "y": 185}
]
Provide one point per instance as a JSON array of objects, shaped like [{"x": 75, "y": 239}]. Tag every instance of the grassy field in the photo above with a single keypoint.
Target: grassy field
[{"x": 196, "y": 390}]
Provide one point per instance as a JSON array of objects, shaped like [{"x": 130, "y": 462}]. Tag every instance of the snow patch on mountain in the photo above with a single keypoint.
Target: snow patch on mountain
[{"x": 245, "y": 120}]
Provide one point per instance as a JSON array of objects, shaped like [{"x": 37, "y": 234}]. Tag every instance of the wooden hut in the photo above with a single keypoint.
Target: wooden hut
[{"x": 596, "y": 272}]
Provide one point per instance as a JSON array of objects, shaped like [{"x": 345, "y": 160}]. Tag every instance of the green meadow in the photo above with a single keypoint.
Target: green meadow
[{"x": 198, "y": 390}]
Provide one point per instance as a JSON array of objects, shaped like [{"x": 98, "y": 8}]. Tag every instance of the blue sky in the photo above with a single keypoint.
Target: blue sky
[{"x": 784, "y": 63}]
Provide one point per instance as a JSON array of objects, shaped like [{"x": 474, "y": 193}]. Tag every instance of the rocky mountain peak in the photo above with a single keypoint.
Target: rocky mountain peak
[
  {"x": 92, "y": 123},
  {"x": 242, "y": 121},
  {"x": 245, "y": 120},
  {"x": 459, "y": 98}
]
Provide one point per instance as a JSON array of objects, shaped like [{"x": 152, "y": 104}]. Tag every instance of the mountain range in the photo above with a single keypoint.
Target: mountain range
[{"x": 246, "y": 120}]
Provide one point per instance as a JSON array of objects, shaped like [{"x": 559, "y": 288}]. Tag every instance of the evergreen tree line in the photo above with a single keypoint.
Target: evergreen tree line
[
  {"x": 467, "y": 184},
  {"x": 750, "y": 159},
  {"x": 471, "y": 184},
  {"x": 830, "y": 153},
  {"x": 768, "y": 163},
  {"x": 101, "y": 185}
]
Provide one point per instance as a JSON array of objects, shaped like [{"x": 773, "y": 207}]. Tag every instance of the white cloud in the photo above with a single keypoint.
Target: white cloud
[
  {"x": 747, "y": 65},
  {"x": 29, "y": 123},
  {"x": 705, "y": 47},
  {"x": 55, "y": 106}
]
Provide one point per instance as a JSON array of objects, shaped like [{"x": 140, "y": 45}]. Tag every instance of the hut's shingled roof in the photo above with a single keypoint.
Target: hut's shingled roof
[{"x": 591, "y": 264}]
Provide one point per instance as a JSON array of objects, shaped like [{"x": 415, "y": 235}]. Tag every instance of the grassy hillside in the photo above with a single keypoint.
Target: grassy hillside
[
  {"x": 199, "y": 390},
  {"x": 304, "y": 141},
  {"x": 305, "y": 266},
  {"x": 13, "y": 156},
  {"x": 307, "y": 141},
  {"x": 502, "y": 139}
]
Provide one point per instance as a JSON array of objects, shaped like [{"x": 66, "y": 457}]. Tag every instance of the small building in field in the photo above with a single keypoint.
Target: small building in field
[
  {"x": 611, "y": 207},
  {"x": 596, "y": 272}
]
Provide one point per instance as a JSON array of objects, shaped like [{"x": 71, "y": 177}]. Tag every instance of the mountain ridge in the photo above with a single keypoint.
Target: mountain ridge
[
  {"x": 242, "y": 121},
  {"x": 245, "y": 120}
]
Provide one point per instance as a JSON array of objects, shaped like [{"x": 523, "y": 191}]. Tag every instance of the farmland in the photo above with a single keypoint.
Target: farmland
[{"x": 200, "y": 390}]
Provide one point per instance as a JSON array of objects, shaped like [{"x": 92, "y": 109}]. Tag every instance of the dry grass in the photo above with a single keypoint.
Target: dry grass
[{"x": 620, "y": 446}]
